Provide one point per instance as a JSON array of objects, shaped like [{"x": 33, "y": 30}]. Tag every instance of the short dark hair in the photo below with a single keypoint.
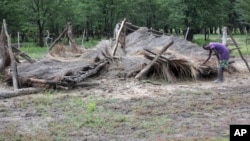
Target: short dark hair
[{"x": 204, "y": 45}]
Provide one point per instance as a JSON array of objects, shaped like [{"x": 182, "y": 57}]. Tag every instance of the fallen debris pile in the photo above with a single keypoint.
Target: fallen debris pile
[{"x": 143, "y": 53}]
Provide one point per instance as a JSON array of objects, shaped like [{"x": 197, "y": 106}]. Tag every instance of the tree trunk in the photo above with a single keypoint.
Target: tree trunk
[
  {"x": 12, "y": 58},
  {"x": 190, "y": 34},
  {"x": 4, "y": 55},
  {"x": 41, "y": 43}
]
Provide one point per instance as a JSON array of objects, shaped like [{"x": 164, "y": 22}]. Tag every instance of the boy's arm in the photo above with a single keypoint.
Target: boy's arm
[
  {"x": 216, "y": 54},
  {"x": 209, "y": 56}
]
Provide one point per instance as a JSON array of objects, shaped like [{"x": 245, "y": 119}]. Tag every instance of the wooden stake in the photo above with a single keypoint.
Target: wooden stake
[
  {"x": 13, "y": 63},
  {"x": 245, "y": 29},
  {"x": 18, "y": 40},
  {"x": 224, "y": 36},
  {"x": 83, "y": 37},
  {"x": 238, "y": 48},
  {"x": 117, "y": 37},
  {"x": 145, "y": 70},
  {"x": 187, "y": 33}
]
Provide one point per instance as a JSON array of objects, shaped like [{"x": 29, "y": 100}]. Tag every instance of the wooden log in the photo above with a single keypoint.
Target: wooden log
[
  {"x": 86, "y": 84},
  {"x": 12, "y": 58},
  {"x": 52, "y": 82},
  {"x": 4, "y": 54},
  {"x": 117, "y": 37},
  {"x": 238, "y": 48},
  {"x": 145, "y": 70},
  {"x": 19, "y": 92},
  {"x": 88, "y": 73},
  {"x": 92, "y": 72}
]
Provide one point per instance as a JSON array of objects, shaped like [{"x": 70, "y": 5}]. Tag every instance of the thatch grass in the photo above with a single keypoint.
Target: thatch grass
[{"x": 180, "y": 62}]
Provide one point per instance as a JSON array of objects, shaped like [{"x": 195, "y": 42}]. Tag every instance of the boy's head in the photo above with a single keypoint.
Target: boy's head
[{"x": 206, "y": 46}]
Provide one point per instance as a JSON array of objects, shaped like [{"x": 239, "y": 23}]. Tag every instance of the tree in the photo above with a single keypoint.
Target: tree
[
  {"x": 99, "y": 17},
  {"x": 242, "y": 7},
  {"x": 12, "y": 11},
  {"x": 38, "y": 12}
]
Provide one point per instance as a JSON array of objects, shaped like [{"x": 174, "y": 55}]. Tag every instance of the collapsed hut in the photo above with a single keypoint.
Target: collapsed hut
[{"x": 135, "y": 52}]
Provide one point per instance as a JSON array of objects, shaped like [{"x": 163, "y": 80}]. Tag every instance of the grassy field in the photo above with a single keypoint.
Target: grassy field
[{"x": 79, "y": 115}]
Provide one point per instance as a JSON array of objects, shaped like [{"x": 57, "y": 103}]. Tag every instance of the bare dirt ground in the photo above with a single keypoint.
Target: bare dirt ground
[{"x": 120, "y": 109}]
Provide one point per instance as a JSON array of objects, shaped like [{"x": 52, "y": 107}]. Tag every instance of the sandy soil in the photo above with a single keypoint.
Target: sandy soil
[{"x": 152, "y": 110}]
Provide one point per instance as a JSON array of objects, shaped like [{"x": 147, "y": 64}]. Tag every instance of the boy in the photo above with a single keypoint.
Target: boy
[{"x": 222, "y": 53}]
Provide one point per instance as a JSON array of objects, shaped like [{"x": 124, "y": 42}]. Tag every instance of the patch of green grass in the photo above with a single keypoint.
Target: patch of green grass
[
  {"x": 244, "y": 50},
  {"x": 87, "y": 44},
  {"x": 34, "y": 51},
  {"x": 201, "y": 41},
  {"x": 91, "y": 43},
  {"x": 91, "y": 107}
]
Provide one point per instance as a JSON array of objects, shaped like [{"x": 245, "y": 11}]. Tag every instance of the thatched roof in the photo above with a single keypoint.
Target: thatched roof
[{"x": 180, "y": 62}]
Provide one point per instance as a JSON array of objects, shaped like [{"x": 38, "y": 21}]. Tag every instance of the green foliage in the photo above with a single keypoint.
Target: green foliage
[
  {"x": 242, "y": 7},
  {"x": 98, "y": 18}
]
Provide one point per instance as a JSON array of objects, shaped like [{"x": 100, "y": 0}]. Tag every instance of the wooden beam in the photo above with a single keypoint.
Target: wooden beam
[
  {"x": 145, "y": 70},
  {"x": 59, "y": 37},
  {"x": 117, "y": 37},
  {"x": 19, "y": 92}
]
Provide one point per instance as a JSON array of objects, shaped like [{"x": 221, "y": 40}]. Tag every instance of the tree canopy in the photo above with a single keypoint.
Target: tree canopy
[{"x": 98, "y": 18}]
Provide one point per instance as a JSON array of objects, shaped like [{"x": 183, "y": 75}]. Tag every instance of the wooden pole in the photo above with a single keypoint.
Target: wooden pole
[
  {"x": 245, "y": 29},
  {"x": 19, "y": 92},
  {"x": 186, "y": 33},
  {"x": 13, "y": 63},
  {"x": 238, "y": 48},
  {"x": 117, "y": 38},
  {"x": 145, "y": 70},
  {"x": 18, "y": 40},
  {"x": 83, "y": 37},
  {"x": 218, "y": 32},
  {"x": 224, "y": 37}
]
